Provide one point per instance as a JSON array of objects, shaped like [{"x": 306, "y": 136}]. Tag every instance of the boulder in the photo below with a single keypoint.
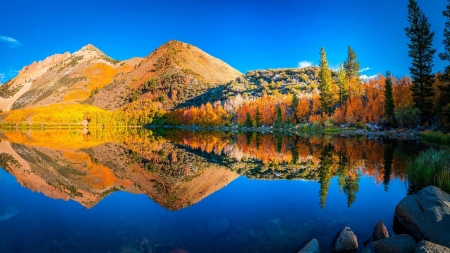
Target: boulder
[
  {"x": 379, "y": 232},
  {"x": 218, "y": 226},
  {"x": 395, "y": 244},
  {"x": 429, "y": 247},
  {"x": 345, "y": 241},
  {"x": 426, "y": 215},
  {"x": 311, "y": 247}
]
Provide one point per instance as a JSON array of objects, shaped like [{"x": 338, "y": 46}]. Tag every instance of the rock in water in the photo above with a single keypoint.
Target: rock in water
[
  {"x": 311, "y": 247},
  {"x": 345, "y": 242},
  {"x": 395, "y": 244},
  {"x": 426, "y": 215},
  {"x": 429, "y": 247},
  {"x": 366, "y": 250},
  {"x": 379, "y": 231},
  {"x": 218, "y": 226},
  {"x": 144, "y": 241}
]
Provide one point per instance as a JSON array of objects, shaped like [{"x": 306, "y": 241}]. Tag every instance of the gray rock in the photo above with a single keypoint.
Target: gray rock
[
  {"x": 218, "y": 226},
  {"x": 311, "y": 247},
  {"x": 379, "y": 232},
  {"x": 426, "y": 215},
  {"x": 429, "y": 247},
  {"x": 345, "y": 241},
  {"x": 395, "y": 244}
]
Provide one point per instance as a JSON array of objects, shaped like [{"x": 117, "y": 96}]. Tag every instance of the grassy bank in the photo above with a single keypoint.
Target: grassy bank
[
  {"x": 431, "y": 167},
  {"x": 436, "y": 137}
]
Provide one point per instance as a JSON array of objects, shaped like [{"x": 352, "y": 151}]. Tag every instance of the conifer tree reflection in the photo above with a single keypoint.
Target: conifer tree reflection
[
  {"x": 388, "y": 158},
  {"x": 325, "y": 174}
]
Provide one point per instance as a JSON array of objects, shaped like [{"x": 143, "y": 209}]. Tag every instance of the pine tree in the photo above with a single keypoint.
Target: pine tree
[
  {"x": 248, "y": 120},
  {"x": 257, "y": 117},
  {"x": 279, "y": 120},
  {"x": 421, "y": 52},
  {"x": 389, "y": 100},
  {"x": 444, "y": 100},
  {"x": 294, "y": 108},
  {"x": 325, "y": 82},
  {"x": 351, "y": 65},
  {"x": 341, "y": 82}
]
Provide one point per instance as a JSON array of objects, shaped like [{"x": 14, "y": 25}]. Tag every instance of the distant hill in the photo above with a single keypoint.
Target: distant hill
[{"x": 302, "y": 82}]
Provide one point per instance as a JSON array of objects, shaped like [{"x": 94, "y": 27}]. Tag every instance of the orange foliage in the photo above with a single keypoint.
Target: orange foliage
[
  {"x": 354, "y": 110},
  {"x": 401, "y": 91},
  {"x": 374, "y": 108},
  {"x": 302, "y": 110}
]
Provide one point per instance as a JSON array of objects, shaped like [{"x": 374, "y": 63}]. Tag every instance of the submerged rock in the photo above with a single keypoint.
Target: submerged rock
[
  {"x": 366, "y": 250},
  {"x": 429, "y": 247},
  {"x": 379, "y": 231},
  {"x": 395, "y": 244},
  {"x": 345, "y": 242},
  {"x": 311, "y": 247},
  {"x": 218, "y": 226},
  {"x": 426, "y": 215}
]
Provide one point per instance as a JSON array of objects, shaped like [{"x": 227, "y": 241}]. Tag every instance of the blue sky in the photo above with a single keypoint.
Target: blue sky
[{"x": 247, "y": 35}]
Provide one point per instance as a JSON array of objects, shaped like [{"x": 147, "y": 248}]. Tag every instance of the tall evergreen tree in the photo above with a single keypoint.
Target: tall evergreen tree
[
  {"x": 444, "y": 99},
  {"x": 421, "y": 52},
  {"x": 341, "y": 82},
  {"x": 389, "y": 100},
  {"x": 351, "y": 65},
  {"x": 325, "y": 82},
  {"x": 279, "y": 120},
  {"x": 248, "y": 120},
  {"x": 294, "y": 108}
]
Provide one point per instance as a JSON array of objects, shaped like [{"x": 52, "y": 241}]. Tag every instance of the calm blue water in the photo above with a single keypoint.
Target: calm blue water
[{"x": 250, "y": 216}]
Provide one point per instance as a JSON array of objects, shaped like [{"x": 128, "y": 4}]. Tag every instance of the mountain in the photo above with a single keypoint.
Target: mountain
[
  {"x": 65, "y": 79},
  {"x": 16, "y": 87},
  {"x": 170, "y": 75}
]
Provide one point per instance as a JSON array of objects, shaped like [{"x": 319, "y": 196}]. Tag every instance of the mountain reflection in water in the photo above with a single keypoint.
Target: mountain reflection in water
[{"x": 177, "y": 168}]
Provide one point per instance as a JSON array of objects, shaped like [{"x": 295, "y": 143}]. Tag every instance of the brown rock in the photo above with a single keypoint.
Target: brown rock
[
  {"x": 345, "y": 241},
  {"x": 395, "y": 244},
  {"x": 429, "y": 247},
  {"x": 379, "y": 231}
]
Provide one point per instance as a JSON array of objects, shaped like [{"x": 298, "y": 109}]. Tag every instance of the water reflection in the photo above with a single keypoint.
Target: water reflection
[
  {"x": 179, "y": 168},
  {"x": 276, "y": 192}
]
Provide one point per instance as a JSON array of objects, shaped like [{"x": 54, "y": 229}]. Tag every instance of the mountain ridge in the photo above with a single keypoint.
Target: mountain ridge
[{"x": 89, "y": 76}]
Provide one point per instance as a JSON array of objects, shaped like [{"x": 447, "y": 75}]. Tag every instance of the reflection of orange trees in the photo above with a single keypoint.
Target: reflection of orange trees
[
  {"x": 350, "y": 157},
  {"x": 76, "y": 139}
]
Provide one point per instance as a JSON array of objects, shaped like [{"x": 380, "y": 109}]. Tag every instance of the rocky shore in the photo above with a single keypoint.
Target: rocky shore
[{"x": 421, "y": 222}]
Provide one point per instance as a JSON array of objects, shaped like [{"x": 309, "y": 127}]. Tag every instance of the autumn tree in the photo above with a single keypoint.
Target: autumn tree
[
  {"x": 351, "y": 65},
  {"x": 325, "y": 83},
  {"x": 444, "y": 98},
  {"x": 389, "y": 99},
  {"x": 421, "y": 52}
]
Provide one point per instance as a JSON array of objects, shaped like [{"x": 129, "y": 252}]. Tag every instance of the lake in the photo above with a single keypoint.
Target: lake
[{"x": 163, "y": 190}]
